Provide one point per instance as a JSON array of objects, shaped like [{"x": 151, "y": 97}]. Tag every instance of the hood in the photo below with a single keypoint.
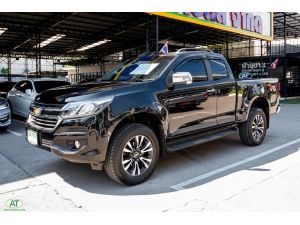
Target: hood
[{"x": 80, "y": 92}]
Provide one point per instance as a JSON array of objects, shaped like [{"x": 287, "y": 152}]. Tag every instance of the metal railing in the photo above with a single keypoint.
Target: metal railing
[{"x": 84, "y": 77}]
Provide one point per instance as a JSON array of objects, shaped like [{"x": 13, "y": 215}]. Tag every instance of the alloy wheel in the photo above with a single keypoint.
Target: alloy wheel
[
  {"x": 137, "y": 155},
  {"x": 258, "y": 127}
]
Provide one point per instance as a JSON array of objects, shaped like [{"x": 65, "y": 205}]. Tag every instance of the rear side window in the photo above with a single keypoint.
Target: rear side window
[
  {"x": 218, "y": 68},
  {"x": 196, "y": 67}
]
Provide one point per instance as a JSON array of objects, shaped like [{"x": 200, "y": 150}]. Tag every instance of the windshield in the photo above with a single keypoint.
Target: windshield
[
  {"x": 147, "y": 67},
  {"x": 41, "y": 86}
]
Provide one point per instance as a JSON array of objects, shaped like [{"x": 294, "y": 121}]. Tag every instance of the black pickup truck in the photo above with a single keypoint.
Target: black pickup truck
[{"x": 147, "y": 107}]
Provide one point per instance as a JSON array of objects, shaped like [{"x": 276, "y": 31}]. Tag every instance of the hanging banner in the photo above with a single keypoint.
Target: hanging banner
[{"x": 252, "y": 24}]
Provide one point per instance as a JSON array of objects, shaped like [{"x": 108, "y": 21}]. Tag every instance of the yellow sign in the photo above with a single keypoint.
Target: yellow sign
[{"x": 255, "y": 24}]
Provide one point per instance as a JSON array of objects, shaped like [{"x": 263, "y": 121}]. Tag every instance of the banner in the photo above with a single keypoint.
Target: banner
[{"x": 252, "y": 24}]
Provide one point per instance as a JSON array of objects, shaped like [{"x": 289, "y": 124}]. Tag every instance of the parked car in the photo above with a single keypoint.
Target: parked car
[
  {"x": 5, "y": 114},
  {"x": 147, "y": 107},
  {"x": 24, "y": 92},
  {"x": 5, "y": 86}
]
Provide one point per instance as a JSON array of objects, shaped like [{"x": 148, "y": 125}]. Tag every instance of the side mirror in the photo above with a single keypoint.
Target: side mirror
[
  {"x": 28, "y": 91},
  {"x": 181, "y": 78}
]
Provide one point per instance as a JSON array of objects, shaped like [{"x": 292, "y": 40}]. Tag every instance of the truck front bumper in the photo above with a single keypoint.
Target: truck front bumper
[{"x": 80, "y": 140}]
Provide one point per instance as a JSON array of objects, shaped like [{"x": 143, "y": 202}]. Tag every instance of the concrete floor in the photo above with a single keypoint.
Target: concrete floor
[{"x": 223, "y": 175}]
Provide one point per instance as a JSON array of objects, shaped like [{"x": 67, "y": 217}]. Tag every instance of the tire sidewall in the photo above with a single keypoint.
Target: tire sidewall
[
  {"x": 254, "y": 113},
  {"x": 120, "y": 172}
]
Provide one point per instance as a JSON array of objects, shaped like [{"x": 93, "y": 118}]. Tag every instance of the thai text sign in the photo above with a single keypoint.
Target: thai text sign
[{"x": 254, "y": 24}]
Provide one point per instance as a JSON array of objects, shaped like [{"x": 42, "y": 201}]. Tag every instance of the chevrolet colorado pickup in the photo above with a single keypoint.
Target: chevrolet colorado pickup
[{"x": 147, "y": 107}]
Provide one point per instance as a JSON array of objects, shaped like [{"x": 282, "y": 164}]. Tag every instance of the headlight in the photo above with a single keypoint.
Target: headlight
[
  {"x": 4, "y": 106},
  {"x": 84, "y": 108}
]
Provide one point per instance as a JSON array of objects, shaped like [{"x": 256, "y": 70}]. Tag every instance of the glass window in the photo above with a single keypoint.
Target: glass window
[
  {"x": 143, "y": 68},
  {"x": 23, "y": 86},
  {"x": 218, "y": 68},
  {"x": 45, "y": 85},
  {"x": 196, "y": 67},
  {"x": 6, "y": 86}
]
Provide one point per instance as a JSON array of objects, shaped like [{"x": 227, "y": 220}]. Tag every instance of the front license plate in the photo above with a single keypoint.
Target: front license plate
[{"x": 32, "y": 137}]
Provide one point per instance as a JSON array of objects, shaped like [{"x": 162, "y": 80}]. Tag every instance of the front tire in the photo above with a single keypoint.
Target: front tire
[
  {"x": 253, "y": 131},
  {"x": 132, "y": 155}
]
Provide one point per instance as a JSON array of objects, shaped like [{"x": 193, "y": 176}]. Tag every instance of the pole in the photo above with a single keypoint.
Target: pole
[
  {"x": 147, "y": 36},
  {"x": 270, "y": 58},
  {"x": 9, "y": 67},
  {"x": 285, "y": 61},
  {"x": 40, "y": 56},
  {"x": 249, "y": 47},
  {"x": 54, "y": 69},
  {"x": 227, "y": 56},
  {"x": 261, "y": 58},
  {"x": 156, "y": 34}
]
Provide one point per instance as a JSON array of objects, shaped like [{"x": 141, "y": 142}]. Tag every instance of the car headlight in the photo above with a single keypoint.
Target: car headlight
[
  {"x": 4, "y": 106},
  {"x": 84, "y": 108}
]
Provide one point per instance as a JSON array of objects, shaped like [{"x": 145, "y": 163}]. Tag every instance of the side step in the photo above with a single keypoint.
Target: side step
[{"x": 197, "y": 139}]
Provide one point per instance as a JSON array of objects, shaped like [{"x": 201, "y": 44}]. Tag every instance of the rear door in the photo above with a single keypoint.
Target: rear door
[
  {"x": 225, "y": 86},
  {"x": 191, "y": 107}
]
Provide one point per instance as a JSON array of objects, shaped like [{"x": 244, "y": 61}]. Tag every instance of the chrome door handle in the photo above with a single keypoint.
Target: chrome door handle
[{"x": 211, "y": 90}]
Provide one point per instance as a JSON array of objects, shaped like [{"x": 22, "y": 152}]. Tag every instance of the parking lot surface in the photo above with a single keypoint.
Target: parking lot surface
[{"x": 223, "y": 175}]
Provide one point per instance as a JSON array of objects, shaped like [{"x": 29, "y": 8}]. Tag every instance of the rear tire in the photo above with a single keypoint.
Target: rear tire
[
  {"x": 132, "y": 155},
  {"x": 253, "y": 131}
]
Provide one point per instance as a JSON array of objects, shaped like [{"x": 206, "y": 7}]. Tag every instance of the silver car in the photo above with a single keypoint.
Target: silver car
[
  {"x": 25, "y": 91},
  {"x": 5, "y": 114}
]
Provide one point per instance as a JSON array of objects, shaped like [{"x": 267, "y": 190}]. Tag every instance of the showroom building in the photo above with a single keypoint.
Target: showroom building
[{"x": 89, "y": 44}]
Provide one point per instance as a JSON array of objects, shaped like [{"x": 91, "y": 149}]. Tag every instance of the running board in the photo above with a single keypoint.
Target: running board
[{"x": 198, "y": 139}]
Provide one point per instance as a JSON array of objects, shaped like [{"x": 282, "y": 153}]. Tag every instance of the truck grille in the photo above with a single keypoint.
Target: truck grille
[
  {"x": 49, "y": 122},
  {"x": 46, "y": 117},
  {"x": 4, "y": 119}
]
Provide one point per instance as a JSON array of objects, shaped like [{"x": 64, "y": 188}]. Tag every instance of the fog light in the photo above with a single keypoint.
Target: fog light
[{"x": 77, "y": 144}]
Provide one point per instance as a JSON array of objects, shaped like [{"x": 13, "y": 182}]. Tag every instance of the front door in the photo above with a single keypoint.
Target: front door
[{"x": 191, "y": 107}]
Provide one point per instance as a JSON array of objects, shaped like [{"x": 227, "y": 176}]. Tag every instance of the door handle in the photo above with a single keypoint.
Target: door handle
[{"x": 211, "y": 90}]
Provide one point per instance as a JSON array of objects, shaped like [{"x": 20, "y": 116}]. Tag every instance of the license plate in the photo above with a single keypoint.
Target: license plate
[{"x": 32, "y": 137}]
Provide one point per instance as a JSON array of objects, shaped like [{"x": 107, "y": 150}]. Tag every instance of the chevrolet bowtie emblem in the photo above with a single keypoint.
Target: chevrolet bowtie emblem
[{"x": 37, "y": 111}]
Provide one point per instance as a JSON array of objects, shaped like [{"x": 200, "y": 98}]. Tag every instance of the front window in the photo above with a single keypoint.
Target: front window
[{"x": 147, "y": 67}]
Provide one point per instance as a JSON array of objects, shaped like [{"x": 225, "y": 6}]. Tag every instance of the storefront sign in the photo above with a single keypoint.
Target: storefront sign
[
  {"x": 253, "y": 70},
  {"x": 254, "y": 24}
]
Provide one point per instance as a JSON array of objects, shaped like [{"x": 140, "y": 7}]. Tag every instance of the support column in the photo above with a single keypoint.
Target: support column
[
  {"x": 270, "y": 57},
  {"x": 26, "y": 67},
  {"x": 156, "y": 33},
  {"x": 285, "y": 60},
  {"x": 54, "y": 68},
  {"x": 261, "y": 58},
  {"x": 249, "y": 47},
  {"x": 147, "y": 36},
  {"x": 40, "y": 58},
  {"x": 38, "y": 55},
  {"x": 226, "y": 46},
  {"x": 8, "y": 67},
  {"x": 78, "y": 78}
]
